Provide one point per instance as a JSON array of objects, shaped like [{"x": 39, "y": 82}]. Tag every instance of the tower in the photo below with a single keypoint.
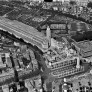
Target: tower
[
  {"x": 48, "y": 34},
  {"x": 78, "y": 62}
]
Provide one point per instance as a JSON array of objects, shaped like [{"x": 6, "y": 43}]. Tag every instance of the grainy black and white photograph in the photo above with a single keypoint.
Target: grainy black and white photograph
[{"x": 45, "y": 45}]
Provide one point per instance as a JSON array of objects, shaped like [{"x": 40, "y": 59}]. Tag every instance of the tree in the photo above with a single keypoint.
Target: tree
[
  {"x": 72, "y": 3},
  {"x": 89, "y": 5}
]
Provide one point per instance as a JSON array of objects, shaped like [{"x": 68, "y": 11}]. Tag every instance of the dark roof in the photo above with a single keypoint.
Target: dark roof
[
  {"x": 83, "y": 26},
  {"x": 23, "y": 90},
  {"x": 73, "y": 27}
]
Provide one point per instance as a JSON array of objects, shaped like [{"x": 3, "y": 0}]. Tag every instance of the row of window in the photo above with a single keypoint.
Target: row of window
[
  {"x": 70, "y": 72},
  {"x": 63, "y": 64}
]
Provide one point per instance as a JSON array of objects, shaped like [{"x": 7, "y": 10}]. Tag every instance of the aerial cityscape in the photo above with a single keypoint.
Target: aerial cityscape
[{"x": 45, "y": 46}]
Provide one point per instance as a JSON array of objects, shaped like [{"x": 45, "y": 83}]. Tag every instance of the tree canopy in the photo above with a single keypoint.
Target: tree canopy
[
  {"x": 89, "y": 5},
  {"x": 72, "y": 2}
]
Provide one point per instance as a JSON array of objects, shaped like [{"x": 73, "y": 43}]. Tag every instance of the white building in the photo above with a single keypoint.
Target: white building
[
  {"x": 82, "y": 2},
  {"x": 56, "y": 44},
  {"x": 5, "y": 88}
]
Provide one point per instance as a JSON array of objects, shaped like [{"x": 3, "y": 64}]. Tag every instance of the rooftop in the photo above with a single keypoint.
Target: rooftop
[
  {"x": 22, "y": 26},
  {"x": 85, "y": 46}
]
